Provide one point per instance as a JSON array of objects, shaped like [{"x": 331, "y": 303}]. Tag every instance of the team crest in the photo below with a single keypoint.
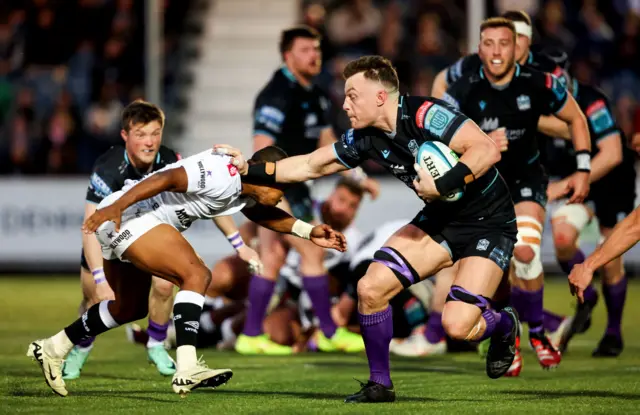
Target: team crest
[
  {"x": 413, "y": 147},
  {"x": 482, "y": 105},
  {"x": 524, "y": 102},
  {"x": 482, "y": 245}
]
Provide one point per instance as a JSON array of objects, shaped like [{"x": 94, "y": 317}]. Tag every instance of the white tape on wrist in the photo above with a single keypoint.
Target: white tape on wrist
[
  {"x": 301, "y": 229},
  {"x": 583, "y": 162}
]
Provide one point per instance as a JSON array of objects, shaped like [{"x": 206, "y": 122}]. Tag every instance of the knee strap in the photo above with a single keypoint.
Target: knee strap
[
  {"x": 401, "y": 268},
  {"x": 457, "y": 293},
  {"x": 529, "y": 234},
  {"x": 574, "y": 214}
]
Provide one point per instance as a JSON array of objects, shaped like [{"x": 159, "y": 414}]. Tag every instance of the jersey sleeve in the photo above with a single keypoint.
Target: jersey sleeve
[
  {"x": 462, "y": 66},
  {"x": 555, "y": 95},
  {"x": 269, "y": 115},
  {"x": 600, "y": 119},
  {"x": 351, "y": 149},
  {"x": 210, "y": 174},
  {"x": 100, "y": 185},
  {"x": 439, "y": 120}
]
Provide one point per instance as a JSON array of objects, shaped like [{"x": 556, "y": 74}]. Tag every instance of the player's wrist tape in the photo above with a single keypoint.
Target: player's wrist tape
[
  {"x": 261, "y": 173},
  {"x": 358, "y": 175},
  {"x": 583, "y": 161},
  {"x": 301, "y": 229},
  {"x": 235, "y": 240},
  {"x": 454, "y": 179},
  {"x": 98, "y": 275}
]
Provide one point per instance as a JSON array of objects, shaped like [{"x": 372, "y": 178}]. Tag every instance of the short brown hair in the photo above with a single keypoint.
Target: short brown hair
[
  {"x": 375, "y": 68},
  {"x": 141, "y": 112},
  {"x": 517, "y": 16},
  {"x": 494, "y": 22},
  {"x": 288, "y": 36},
  {"x": 351, "y": 185}
]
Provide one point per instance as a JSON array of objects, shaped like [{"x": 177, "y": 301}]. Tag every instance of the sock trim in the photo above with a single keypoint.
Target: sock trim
[
  {"x": 375, "y": 318},
  {"x": 191, "y": 297},
  {"x": 105, "y": 315}
]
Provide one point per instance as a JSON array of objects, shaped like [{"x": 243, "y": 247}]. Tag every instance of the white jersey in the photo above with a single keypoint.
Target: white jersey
[
  {"x": 213, "y": 190},
  {"x": 374, "y": 241}
]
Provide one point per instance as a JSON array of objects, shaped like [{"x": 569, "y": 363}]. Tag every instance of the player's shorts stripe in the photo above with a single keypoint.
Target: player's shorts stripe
[
  {"x": 338, "y": 157},
  {"x": 534, "y": 158},
  {"x": 492, "y": 182},
  {"x": 265, "y": 132}
]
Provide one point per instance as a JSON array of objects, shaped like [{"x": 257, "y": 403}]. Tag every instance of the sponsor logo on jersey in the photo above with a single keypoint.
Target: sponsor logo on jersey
[
  {"x": 555, "y": 86},
  {"x": 515, "y": 134},
  {"x": 438, "y": 119},
  {"x": 482, "y": 104},
  {"x": 233, "y": 170},
  {"x": 397, "y": 168},
  {"x": 385, "y": 153},
  {"x": 489, "y": 124},
  {"x": 310, "y": 120},
  {"x": 524, "y": 102},
  {"x": 99, "y": 187},
  {"x": 599, "y": 116},
  {"x": 348, "y": 136},
  {"x": 201, "y": 182},
  {"x": 482, "y": 245},
  {"x": 413, "y": 147},
  {"x": 183, "y": 218},
  {"x": 126, "y": 234},
  {"x": 271, "y": 117},
  {"x": 422, "y": 111},
  {"x": 526, "y": 192}
]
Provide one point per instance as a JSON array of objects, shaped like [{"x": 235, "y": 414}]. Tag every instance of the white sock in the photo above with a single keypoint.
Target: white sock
[
  {"x": 153, "y": 342},
  {"x": 59, "y": 345},
  {"x": 186, "y": 357}
]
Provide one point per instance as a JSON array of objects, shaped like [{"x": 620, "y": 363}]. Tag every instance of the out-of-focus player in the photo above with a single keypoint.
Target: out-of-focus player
[
  {"x": 291, "y": 112},
  {"x": 507, "y": 100},
  {"x": 611, "y": 198}
]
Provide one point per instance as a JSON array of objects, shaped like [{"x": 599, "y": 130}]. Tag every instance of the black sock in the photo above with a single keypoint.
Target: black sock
[
  {"x": 93, "y": 322},
  {"x": 186, "y": 317}
]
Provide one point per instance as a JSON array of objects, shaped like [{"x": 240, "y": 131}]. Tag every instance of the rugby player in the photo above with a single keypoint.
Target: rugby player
[
  {"x": 291, "y": 112},
  {"x": 612, "y": 168},
  {"x": 478, "y": 230},
  {"x": 506, "y": 100},
  {"x": 139, "y": 230},
  {"x": 523, "y": 54}
]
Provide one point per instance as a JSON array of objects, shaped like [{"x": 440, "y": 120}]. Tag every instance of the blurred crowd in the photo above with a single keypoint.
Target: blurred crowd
[
  {"x": 422, "y": 37},
  {"x": 66, "y": 69}
]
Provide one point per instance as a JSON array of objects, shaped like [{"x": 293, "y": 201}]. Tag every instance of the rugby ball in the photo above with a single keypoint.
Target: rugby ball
[{"x": 437, "y": 159}]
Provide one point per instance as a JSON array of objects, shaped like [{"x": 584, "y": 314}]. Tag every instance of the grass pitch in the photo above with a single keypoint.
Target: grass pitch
[{"x": 118, "y": 380}]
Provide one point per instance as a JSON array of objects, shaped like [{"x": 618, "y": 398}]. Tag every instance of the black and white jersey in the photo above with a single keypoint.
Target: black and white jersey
[
  {"x": 419, "y": 120},
  {"x": 293, "y": 115},
  {"x": 113, "y": 167},
  {"x": 471, "y": 64},
  {"x": 517, "y": 107}
]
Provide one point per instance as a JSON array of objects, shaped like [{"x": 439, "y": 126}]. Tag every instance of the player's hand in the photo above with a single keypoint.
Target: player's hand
[
  {"x": 425, "y": 185},
  {"x": 579, "y": 279},
  {"x": 579, "y": 183},
  {"x": 499, "y": 137},
  {"x": 110, "y": 213},
  {"x": 251, "y": 257},
  {"x": 237, "y": 159},
  {"x": 557, "y": 190},
  {"x": 371, "y": 186},
  {"x": 326, "y": 237}
]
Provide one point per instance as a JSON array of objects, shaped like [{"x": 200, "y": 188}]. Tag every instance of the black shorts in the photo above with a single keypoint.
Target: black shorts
[
  {"x": 299, "y": 198},
  {"x": 491, "y": 237},
  {"x": 612, "y": 200},
  {"x": 530, "y": 189}
]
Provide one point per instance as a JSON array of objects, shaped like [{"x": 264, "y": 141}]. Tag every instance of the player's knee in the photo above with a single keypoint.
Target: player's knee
[
  {"x": 162, "y": 289},
  {"x": 526, "y": 253},
  {"x": 563, "y": 242},
  {"x": 461, "y": 311},
  {"x": 196, "y": 279},
  {"x": 455, "y": 327},
  {"x": 369, "y": 293}
]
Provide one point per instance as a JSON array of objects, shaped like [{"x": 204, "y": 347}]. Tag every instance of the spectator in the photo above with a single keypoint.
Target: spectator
[{"x": 354, "y": 27}]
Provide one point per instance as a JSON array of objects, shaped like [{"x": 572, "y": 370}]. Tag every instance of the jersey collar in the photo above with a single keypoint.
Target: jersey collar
[
  {"x": 290, "y": 76},
  {"x": 530, "y": 58},
  {"x": 515, "y": 75},
  {"x": 126, "y": 158}
]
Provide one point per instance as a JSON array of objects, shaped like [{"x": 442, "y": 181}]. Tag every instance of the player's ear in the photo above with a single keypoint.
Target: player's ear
[
  {"x": 124, "y": 135},
  {"x": 381, "y": 97}
]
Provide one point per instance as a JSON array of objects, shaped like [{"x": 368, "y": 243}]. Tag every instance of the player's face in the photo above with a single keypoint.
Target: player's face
[
  {"x": 340, "y": 208},
  {"x": 363, "y": 100},
  {"x": 497, "y": 51},
  {"x": 142, "y": 142},
  {"x": 305, "y": 57},
  {"x": 523, "y": 43}
]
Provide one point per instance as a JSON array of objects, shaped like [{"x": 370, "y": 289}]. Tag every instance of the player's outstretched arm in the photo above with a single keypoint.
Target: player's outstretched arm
[
  {"x": 170, "y": 180},
  {"x": 280, "y": 221},
  {"x": 608, "y": 157},
  {"x": 625, "y": 235},
  {"x": 478, "y": 151},
  {"x": 228, "y": 227},
  {"x": 575, "y": 119}
]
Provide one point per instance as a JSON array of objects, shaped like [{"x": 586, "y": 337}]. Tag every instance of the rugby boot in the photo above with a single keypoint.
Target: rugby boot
[
  {"x": 417, "y": 345},
  {"x": 502, "y": 349},
  {"x": 261, "y": 344},
  {"x": 516, "y": 366},
  {"x": 372, "y": 392},
  {"x": 199, "y": 376},
  {"x": 342, "y": 340},
  {"x": 160, "y": 358},
  {"x": 610, "y": 345},
  {"x": 548, "y": 356},
  {"x": 558, "y": 336},
  {"x": 51, "y": 367},
  {"x": 581, "y": 321},
  {"x": 74, "y": 362}
]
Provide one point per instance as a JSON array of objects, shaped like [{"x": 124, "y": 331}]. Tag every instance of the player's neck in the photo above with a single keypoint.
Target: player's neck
[
  {"x": 503, "y": 80},
  {"x": 523, "y": 60},
  {"x": 302, "y": 80},
  {"x": 141, "y": 167},
  {"x": 388, "y": 120}
]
